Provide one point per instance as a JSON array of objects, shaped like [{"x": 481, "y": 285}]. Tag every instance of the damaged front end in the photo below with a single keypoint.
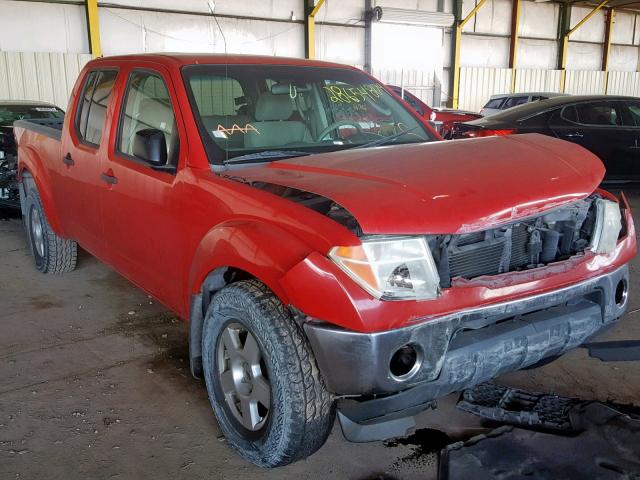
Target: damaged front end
[
  {"x": 523, "y": 245},
  {"x": 387, "y": 377},
  {"x": 318, "y": 203}
]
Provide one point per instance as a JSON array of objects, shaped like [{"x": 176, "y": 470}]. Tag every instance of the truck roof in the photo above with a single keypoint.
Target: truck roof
[{"x": 180, "y": 59}]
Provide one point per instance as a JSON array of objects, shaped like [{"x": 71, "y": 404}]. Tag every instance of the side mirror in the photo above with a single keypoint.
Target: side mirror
[{"x": 151, "y": 146}]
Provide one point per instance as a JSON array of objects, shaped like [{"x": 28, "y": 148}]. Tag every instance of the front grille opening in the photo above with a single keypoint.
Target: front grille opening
[{"x": 532, "y": 243}]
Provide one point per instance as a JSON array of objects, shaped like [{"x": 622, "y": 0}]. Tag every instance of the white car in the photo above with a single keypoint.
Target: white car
[{"x": 501, "y": 102}]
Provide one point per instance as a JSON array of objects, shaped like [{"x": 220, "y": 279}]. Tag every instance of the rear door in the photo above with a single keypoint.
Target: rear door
[
  {"x": 140, "y": 202},
  {"x": 79, "y": 166},
  {"x": 597, "y": 126}
]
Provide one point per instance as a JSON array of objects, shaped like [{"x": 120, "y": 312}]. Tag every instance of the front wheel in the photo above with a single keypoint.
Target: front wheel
[{"x": 263, "y": 382}]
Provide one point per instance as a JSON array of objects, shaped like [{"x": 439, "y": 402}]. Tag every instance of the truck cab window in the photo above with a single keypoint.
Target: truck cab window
[
  {"x": 147, "y": 105},
  {"x": 92, "y": 107}
]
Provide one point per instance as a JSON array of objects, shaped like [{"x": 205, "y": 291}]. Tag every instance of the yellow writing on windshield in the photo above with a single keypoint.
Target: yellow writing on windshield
[{"x": 351, "y": 94}]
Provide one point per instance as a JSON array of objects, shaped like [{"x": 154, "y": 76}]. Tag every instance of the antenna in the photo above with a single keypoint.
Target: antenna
[{"x": 212, "y": 8}]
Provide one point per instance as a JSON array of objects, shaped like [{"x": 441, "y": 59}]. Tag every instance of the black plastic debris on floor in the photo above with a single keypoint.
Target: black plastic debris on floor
[
  {"x": 603, "y": 443},
  {"x": 517, "y": 407}
]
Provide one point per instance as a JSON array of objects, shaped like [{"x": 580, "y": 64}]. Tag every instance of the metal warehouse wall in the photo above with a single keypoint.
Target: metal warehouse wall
[
  {"x": 485, "y": 42},
  {"x": 40, "y": 76}
]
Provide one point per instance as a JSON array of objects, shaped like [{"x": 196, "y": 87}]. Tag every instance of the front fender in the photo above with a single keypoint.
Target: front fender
[
  {"x": 29, "y": 161},
  {"x": 263, "y": 250}
]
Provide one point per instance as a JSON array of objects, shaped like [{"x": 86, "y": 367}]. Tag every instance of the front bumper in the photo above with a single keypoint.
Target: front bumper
[{"x": 462, "y": 349}]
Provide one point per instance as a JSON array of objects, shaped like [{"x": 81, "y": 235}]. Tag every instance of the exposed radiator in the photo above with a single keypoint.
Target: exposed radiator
[{"x": 475, "y": 255}]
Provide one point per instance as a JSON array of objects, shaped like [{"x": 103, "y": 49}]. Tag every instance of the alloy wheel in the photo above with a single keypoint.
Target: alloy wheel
[
  {"x": 37, "y": 232},
  {"x": 243, "y": 376}
]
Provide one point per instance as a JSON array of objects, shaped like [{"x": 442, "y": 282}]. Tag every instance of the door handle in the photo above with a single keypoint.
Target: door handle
[
  {"x": 574, "y": 135},
  {"x": 67, "y": 160},
  {"x": 108, "y": 178}
]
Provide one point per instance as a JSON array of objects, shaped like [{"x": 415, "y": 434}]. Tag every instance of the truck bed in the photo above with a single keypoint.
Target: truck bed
[{"x": 51, "y": 127}]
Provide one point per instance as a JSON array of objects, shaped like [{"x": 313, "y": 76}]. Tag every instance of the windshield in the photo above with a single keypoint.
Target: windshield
[
  {"x": 11, "y": 113},
  {"x": 244, "y": 110}
]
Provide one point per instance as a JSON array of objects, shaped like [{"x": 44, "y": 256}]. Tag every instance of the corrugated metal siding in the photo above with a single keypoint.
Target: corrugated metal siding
[
  {"x": 585, "y": 82},
  {"x": 419, "y": 82},
  {"x": 40, "y": 76},
  {"x": 537, "y": 80},
  {"x": 624, "y": 83},
  {"x": 478, "y": 84}
]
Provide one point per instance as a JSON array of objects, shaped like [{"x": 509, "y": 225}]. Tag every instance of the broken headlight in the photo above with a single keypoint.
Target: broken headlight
[
  {"x": 400, "y": 268},
  {"x": 607, "y": 227}
]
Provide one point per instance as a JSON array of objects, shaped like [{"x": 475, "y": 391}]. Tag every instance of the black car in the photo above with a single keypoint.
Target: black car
[
  {"x": 11, "y": 111},
  {"x": 609, "y": 126}
]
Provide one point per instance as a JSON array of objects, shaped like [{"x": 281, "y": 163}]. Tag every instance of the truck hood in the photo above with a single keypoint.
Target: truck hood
[{"x": 443, "y": 187}]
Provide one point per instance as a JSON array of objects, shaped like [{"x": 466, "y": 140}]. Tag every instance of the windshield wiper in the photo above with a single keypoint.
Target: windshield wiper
[
  {"x": 390, "y": 138},
  {"x": 266, "y": 155}
]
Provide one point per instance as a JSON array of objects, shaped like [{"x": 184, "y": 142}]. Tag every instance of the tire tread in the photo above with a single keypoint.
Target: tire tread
[
  {"x": 312, "y": 406},
  {"x": 62, "y": 253}
]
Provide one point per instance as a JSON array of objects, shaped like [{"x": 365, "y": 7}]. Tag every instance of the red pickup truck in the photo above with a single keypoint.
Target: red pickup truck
[{"x": 329, "y": 253}]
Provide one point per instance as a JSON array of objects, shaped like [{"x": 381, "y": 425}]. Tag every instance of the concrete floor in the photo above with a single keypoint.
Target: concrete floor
[{"x": 94, "y": 383}]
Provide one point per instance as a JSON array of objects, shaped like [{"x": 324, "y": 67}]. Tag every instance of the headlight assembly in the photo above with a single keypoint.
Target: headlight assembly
[
  {"x": 607, "y": 227},
  {"x": 399, "y": 268}
]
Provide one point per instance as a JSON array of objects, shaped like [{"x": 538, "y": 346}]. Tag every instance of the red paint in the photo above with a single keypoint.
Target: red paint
[
  {"x": 444, "y": 187},
  {"x": 166, "y": 232},
  {"x": 487, "y": 132}
]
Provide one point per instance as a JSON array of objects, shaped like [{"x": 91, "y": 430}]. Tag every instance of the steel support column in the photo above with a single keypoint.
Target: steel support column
[
  {"x": 565, "y": 19},
  {"x": 368, "y": 31},
  {"x": 607, "y": 38},
  {"x": 607, "y": 46},
  {"x": 311, "y": 9},
  {"x": 513, "y": 44},
  {"x": 93, "y": 27},
  {"x": 459, "y": 25}
]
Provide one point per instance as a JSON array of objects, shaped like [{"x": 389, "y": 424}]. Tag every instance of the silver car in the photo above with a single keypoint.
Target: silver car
[{"x": 503, "y": 101}]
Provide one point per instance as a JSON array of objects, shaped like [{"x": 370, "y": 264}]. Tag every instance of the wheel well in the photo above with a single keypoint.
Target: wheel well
[
  {"x": 215, "y": 280},
  {"x": 218, "y": 279}
]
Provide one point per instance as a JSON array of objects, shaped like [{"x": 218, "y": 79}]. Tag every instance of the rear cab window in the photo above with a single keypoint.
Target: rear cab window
[{"x": 91, "y": 109}]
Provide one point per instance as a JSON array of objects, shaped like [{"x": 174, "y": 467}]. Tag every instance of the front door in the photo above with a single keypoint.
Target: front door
[
  {"x": 79, "y": 166},
  {"x": 139, "y": 201}
]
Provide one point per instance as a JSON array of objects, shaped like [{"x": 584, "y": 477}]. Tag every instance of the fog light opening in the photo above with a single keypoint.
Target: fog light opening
[
  {"x": 405, "y": 362},
  {"x": 621, "y": 293}
]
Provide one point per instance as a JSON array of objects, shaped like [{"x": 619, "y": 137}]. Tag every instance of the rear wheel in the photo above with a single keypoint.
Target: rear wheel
[
  {"x": 263, "y": 382},
  {"x": 52, "y": 254}
]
